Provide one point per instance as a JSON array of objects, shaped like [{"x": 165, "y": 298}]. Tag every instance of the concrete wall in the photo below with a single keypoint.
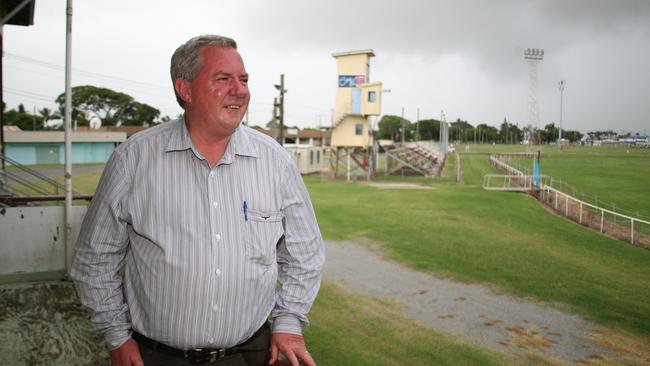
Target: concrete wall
[
  {"x": 345, "y": 133},
  {"x": 353, "y": 64},
  {"x": 31, "y": 238}
]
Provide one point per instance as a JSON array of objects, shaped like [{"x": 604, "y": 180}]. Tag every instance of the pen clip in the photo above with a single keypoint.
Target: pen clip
[{"x": 245, "y": 207}]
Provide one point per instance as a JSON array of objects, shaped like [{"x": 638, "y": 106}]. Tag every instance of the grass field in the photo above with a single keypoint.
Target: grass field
[
  {"x": 615, "y": 178},
  {"x": 504, "y": 240}
]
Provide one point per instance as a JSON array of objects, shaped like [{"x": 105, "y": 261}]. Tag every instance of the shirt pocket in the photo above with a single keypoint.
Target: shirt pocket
[{"x": 264, "y": 230}]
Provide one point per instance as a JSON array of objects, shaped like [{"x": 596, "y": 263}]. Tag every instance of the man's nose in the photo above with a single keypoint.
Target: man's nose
[{"x": 238, "y": 88}]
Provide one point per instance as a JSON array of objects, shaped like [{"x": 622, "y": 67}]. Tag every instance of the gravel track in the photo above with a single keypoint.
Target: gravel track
[{"x": 472, "y": 312}]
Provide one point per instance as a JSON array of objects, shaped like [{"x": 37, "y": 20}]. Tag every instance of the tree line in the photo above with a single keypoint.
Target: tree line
[
  {"x": 89, "y": 102},
  {"x": 390, "y": 128}
]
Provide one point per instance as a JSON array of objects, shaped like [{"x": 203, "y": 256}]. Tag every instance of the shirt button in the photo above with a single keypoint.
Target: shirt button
[
  {"x": 215, "y": 307},
  {"x": 218, "y": 237},
  {"x": 217, "y": 271},
  {"x": 215, "y": 204},
  {"x": 211, "y": 174},
  {"x": 211, "y": 341}
]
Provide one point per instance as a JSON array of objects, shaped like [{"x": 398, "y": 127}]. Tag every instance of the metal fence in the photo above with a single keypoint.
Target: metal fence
[{"x": 606, "y": 221}]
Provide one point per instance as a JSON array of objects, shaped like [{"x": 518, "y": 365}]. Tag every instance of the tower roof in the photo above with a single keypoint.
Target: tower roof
[{"x": 368, "y": 52}]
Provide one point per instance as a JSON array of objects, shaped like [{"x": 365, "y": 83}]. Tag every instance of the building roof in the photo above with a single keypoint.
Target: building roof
[
  {"x": 58, "y": 136},
  {"x": 24, "y": 16},
  {"x": 6, "y": 128},
  {"x": 314, "y": 134},
  {"x": 301, "y": 133},
  {"x": 368, "y": 52},
  {"x": 130, "y": 130}
]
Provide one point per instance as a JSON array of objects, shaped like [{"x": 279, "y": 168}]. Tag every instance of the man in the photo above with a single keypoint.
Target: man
[{"x": 193, "y": 224}]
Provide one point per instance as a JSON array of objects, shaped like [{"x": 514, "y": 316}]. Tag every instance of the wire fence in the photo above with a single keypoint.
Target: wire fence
[{"x": 613, "y": 223}]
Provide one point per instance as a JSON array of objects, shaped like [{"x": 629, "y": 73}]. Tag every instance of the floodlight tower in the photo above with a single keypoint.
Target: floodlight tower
[
  {"x": 533, "y": 56},
  {"x": 561, "y": 84}
]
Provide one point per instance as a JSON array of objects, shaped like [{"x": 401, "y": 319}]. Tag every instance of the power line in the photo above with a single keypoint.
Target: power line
[{"x": 79, "y": 71}]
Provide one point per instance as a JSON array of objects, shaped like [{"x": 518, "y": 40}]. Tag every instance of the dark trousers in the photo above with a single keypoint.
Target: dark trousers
[{"x": 253, "y": 352}]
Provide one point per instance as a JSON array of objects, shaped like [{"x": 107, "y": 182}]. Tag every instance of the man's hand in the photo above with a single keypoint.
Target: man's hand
[
  {"x": 292, "y": 347},
  {"x": 127, "y": 354}
]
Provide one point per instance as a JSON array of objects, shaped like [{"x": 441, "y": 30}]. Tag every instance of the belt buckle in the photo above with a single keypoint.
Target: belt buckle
[
  {"x": 217, "y": 354},
  {"x": 200, "y": 356}
]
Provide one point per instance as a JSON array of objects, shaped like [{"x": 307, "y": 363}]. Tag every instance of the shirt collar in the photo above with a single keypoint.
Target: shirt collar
[
  {"x": 179, "y": 139},
  {"x": 240, "y": 143}
]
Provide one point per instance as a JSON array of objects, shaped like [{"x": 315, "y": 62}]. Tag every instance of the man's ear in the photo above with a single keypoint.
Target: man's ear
[{"x": 182, "y": 87}]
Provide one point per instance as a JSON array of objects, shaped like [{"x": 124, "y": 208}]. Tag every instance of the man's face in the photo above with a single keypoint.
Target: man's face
[{"x": 219, "y": 93}]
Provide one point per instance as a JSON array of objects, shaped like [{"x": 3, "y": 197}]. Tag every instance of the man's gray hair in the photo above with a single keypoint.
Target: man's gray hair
[{"x": 186, "y": 60}]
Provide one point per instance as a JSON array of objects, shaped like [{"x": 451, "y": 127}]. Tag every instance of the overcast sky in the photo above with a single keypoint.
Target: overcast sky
[{"x": 464, "y": 57}]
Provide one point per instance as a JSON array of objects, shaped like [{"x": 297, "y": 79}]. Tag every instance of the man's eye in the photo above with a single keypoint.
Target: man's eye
[{"x": 244, "y": 81}]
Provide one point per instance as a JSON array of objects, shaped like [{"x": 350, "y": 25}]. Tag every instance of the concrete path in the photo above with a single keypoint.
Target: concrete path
[{"x": 470, "y": 311}]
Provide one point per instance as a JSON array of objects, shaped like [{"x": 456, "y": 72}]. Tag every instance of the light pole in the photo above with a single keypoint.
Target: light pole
[{"x": 561, "y": 84}]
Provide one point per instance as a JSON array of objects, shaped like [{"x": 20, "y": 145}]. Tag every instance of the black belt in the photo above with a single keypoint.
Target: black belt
[{"x": 196, "y": 356}]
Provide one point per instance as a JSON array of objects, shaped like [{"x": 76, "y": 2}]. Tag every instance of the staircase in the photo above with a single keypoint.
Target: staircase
[
  {"x": 416, "y": 159},
  {"x": 21, "y": 184}
]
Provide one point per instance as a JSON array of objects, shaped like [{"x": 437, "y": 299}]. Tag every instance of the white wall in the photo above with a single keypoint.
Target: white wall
[{"x": 31, "y": 238}]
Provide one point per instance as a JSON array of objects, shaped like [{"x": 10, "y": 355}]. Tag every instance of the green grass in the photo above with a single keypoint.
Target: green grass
[
  {"x": 348, "y": 329},
  {"x": 614, "y": 177},
  {"x": 505, "y": 240}
]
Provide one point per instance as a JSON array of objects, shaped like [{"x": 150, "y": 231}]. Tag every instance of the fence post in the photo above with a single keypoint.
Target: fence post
[
  {"x": 602, "y": 219},
  {"x": 632, "y": 231},
  {"x": 580, "y": 212},
  {"x": 566, "y": 205}
]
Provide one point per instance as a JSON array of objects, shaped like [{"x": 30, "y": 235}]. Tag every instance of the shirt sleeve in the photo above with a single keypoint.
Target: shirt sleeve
[
  {"x": 300, "y": 256},
  {"x": 100, "y": 250}
]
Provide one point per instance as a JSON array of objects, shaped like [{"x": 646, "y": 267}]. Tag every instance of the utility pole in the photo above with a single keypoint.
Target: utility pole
[
  {"x": 417, "y": 126},
  {"x": 403, "y": 127},
  {"x": 275, "y": 122},
  {"x": 2, "y": 113},
  {"x": 281, "y": 107},
  {"x": 67, "y": 116}
]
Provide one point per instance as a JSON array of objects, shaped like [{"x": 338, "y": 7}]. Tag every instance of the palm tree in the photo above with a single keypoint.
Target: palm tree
[{"x": 47, "y": 115}]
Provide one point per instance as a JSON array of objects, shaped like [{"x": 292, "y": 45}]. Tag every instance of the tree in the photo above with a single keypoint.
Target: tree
[
  {"x": 486, "y": 134},
  {"x": 510, "y": 133},
  {"x": 22, "y": 119},
  {"x": 429, "y": 129},
  {"x": 111, "y": 107},
  {"x": 138, "y": 114},
  {"x": 572, "y": 136},
  {"x": 46, "y": 114},
  {"x": 460, "y": 130},
  {"x": 549, "y": 133},
  {"x": 390, "y": 127}
]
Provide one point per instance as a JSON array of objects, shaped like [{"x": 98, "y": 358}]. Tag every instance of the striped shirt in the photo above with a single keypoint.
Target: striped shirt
[{"x": 190, "y": 255}]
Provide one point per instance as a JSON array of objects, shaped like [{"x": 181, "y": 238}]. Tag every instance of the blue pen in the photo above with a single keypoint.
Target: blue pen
[{"x": 245, "y": 207}]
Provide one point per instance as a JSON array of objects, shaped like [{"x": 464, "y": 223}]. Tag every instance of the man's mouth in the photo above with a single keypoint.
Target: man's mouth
[{"x": 233, "y": 106}]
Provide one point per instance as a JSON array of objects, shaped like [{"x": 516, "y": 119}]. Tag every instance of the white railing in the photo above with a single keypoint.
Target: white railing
[
  {"x": 608, "y": 222},
  {"x": 605, "y": 221}
]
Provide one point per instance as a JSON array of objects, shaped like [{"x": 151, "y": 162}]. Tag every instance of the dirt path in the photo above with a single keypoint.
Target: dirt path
[{"x": 469, "y": 311}]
